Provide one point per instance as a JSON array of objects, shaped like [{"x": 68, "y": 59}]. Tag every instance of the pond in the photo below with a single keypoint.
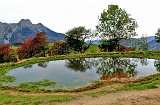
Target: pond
[{"x": 77, "y": 72}]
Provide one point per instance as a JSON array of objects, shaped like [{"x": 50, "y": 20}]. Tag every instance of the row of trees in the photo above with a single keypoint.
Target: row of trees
[
  {"x": 38, "y": 46},
  {"x": 114, "y": 25},
  {"x": 32, "y": 47}
]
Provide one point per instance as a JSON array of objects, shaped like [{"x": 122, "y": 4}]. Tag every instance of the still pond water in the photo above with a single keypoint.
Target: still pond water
[{"x": 81, "y": 71}]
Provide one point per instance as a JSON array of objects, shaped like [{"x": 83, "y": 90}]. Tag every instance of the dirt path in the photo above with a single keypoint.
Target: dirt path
[{"x": 143, "y": 97}]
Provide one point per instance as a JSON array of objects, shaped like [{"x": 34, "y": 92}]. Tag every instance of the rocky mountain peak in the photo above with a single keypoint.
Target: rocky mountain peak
[
  {"x": 25, "y": 22},
  {"x": 40, "y": 25}
]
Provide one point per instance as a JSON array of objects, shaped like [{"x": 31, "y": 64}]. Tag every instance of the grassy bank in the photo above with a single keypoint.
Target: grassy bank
[
  {"x": 33, "y": 100},
  {"x": 12, "y": 97},
  {"x": 148, "y": 82}
]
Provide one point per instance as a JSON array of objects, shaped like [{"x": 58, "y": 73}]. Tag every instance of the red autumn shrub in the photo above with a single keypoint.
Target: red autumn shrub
[
  {"x": 32, "y": 47},
  {"x": 26, "y": 49},
  {"x": 6, "y": 53},
  {"x": 39, "y": 43}
]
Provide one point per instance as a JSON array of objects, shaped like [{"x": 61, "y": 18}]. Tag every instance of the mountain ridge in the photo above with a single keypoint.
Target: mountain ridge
[{"x": 19, "y": 32}]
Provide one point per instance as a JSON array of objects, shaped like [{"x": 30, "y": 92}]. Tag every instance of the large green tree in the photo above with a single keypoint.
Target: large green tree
[
  {"x": 116, "y": 24},
  {"x": 76, "y": 37},
  {"x": 157, "y": 37}
]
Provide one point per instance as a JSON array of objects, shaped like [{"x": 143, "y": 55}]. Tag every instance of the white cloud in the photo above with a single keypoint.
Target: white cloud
[{"x": 61, "y": 15}]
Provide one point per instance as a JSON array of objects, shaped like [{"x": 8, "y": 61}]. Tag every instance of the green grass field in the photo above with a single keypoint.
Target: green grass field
[
  {"x": 6, "y": 99},
  {"x": 93, "y": 49}
]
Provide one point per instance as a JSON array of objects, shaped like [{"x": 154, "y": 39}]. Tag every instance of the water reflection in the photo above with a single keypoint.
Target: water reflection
[
  {"x": 157, "y": 65},
  {"x": 78, "y": 64},
  {"x": 43, "y": 64},
  {"x": 28, "y": 66},
  {"x": 81, "y": 71},
  {"x": 107, "y": 68},
  {"x": 143, "y": 61}
]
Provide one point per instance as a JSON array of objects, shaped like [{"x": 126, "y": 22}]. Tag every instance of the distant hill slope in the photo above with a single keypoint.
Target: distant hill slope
[
  {"x": 153, "y": 45},
  {"x": 18, "y": 32}
]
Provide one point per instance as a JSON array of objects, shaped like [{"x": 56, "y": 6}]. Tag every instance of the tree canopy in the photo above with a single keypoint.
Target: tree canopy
[
  {"x": 76, "y": 37},
  {"x": 115, "y": 24},
  {"x": 6, "y": 53},
  {"x": 33, "y": 46},
  {"x": 59, "y": 47}
]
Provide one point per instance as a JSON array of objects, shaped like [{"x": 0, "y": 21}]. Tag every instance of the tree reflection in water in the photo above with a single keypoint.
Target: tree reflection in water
[
  {"x": 78, "y": 64},
  {"x": 28, "y": 66},
  {"x": 143, "y": 61},
  {"x": 157, "y": 65},
  {"x": 109, "y": 68},
  {"x": 43, "y": 64}
]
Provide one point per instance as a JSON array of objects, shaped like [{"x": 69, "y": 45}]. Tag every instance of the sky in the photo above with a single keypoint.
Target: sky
[{"x": 62, "y": 15}]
